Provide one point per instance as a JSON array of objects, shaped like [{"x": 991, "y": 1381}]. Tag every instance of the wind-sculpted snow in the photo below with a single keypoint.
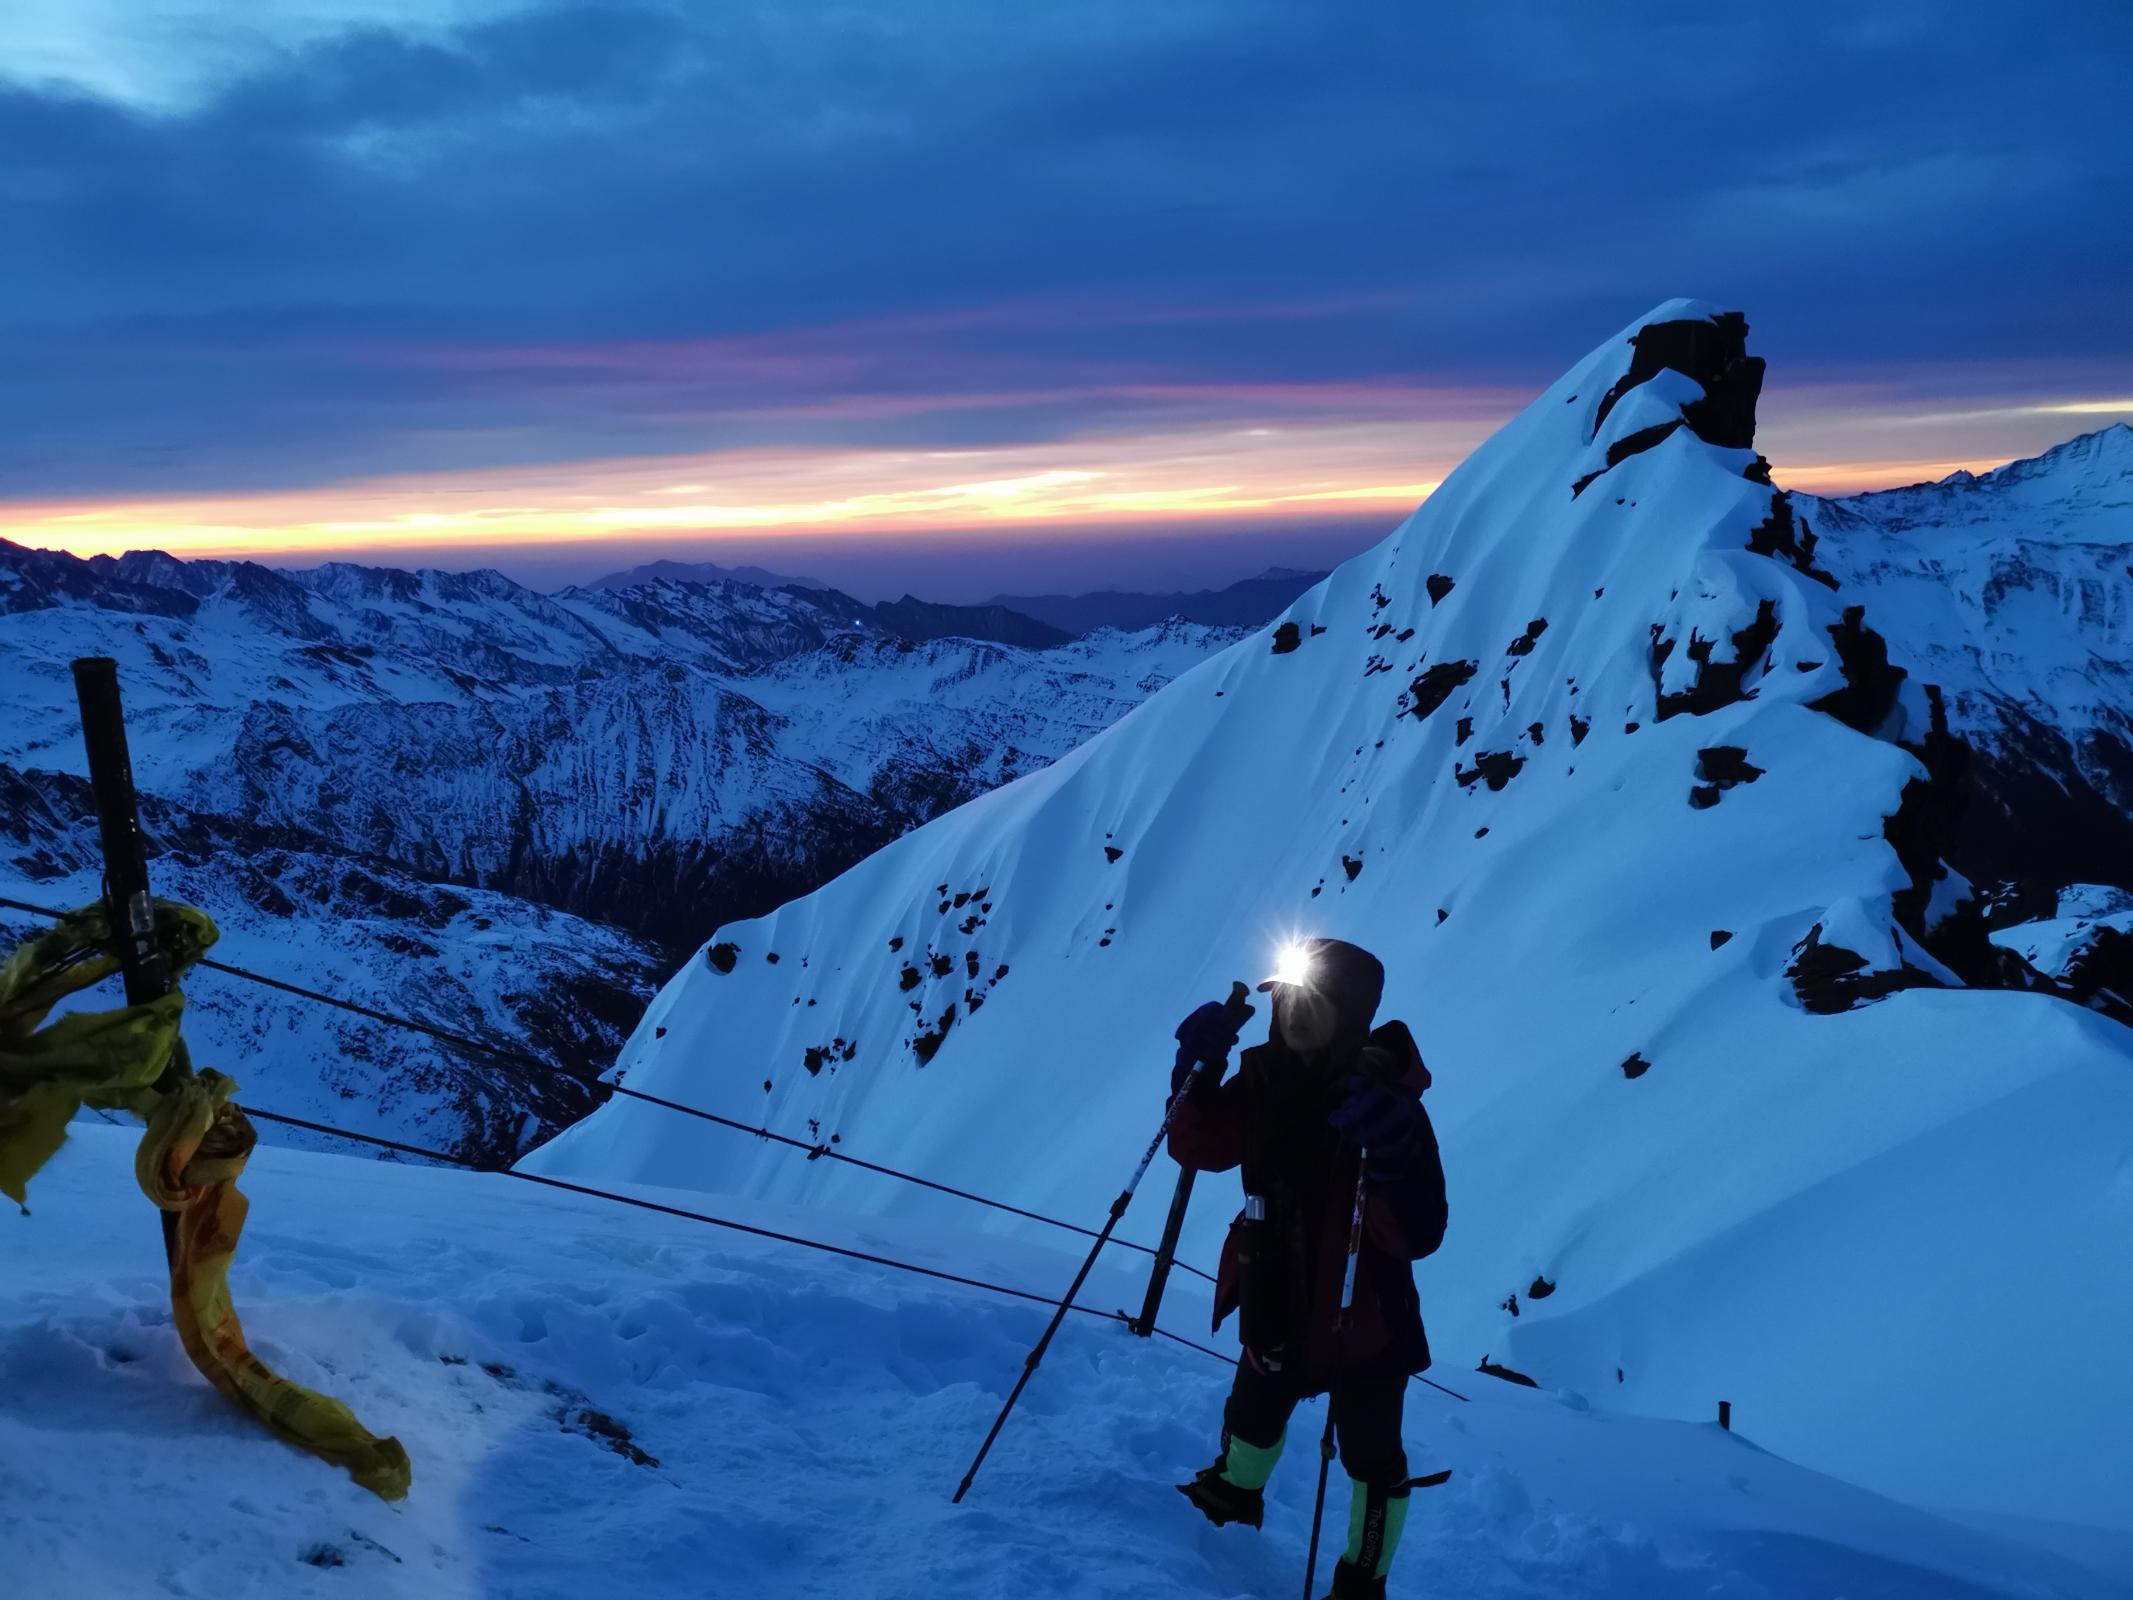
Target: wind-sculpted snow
[{"x": 1648, "y": 826}]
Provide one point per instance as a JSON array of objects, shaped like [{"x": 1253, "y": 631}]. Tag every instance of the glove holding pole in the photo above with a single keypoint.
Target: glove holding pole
[{"x": 1204, "y": 1037}]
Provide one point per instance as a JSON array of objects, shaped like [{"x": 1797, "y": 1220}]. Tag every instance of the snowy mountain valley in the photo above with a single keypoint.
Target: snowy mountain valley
[{"x": 502, "y": 812}]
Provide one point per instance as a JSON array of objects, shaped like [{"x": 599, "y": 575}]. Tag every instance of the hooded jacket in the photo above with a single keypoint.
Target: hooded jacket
[{"x": 1270, "y": 1119}]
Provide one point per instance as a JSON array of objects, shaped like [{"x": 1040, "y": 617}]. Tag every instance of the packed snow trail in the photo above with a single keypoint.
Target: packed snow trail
[{"x": 807, "y": 1419}]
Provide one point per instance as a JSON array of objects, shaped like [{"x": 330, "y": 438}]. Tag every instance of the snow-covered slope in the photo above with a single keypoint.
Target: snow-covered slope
[
  {"x": 1626, "y": 794},
  {"x": 599, "y": 1400},
  {"x": 2013, "y": 592},
  {"x": 514, "y": 976}
]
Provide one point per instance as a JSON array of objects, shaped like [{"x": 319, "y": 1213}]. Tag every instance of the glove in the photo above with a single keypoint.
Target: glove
[
  {"x": 1381, "y": 1120},
  {"x": 1208, "y": 1035}
]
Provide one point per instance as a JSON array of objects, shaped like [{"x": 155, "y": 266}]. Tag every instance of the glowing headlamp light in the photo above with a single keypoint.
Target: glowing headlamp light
[{"x": 1294, "y": 966}]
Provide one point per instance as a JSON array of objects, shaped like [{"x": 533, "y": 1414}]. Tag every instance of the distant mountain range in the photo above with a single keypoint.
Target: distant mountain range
[
  {"x": 454, "y": 797},
  {"x": 1246, "y": 604},
  {"x": 1033, "y": 621},
  {"x": 918, "y": 621},
  {"x": 702, "y": 572}
]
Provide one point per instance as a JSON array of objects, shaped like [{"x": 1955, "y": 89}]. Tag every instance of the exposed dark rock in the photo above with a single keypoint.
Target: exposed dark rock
[
  {"x": 1441, "y": 915},
  {"x": 1717, "y": 683},
  {"x": 1714, "y": 353},
  {"x": 927, "y": 1045},
  {"x": 1317, "y": 628},
  {"x": 1495, "y": 767},
  {"x": 1720, "y": 938},
  {"x": 1437, "y": 685},
  {"x": 1871, "y": 680},
  {"x": 1579, "y": 727},
  {"x": 1351, "y": 866},
  {"x": 970, "y": 963},
  {"x": 1829, "y": 978},
  {"x": 1721, "y": 767},
  {"x": 1523, "y": 644},
  {"x": 1505, "y": 1373},
  {"x": 1286, "y": 638},
  {"x": 1630, "y": 444},
  {"x": 1439, "y": 586},
  {"x": 1540, "y": 1290},
  {"x": 2100, "y": 976},
  {"x": 1510, "y": 1304},
  {"x": 1112, "y": 852},
  {"x": 1784, "y": 535},
  {"x": 1536, "y": 733},
  {"x": 1636, "y": 1066},
  {"x": 940, "y": 964},
  {"x": 908, "y": 979},
  {"x": 604, "y": 1431},
  {"x": 771, "y": 956},
  {"x": 722, "y": 957},
  {"x": 1464, "y": 731}
]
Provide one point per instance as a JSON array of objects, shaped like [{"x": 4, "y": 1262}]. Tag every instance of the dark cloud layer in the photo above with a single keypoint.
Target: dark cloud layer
[{"x": 586, "y": 230}]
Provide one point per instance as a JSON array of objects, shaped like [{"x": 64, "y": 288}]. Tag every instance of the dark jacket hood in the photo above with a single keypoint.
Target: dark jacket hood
[
  {"x": 1351, "y": 977},
  {"x": 1404, "y": 1067}
]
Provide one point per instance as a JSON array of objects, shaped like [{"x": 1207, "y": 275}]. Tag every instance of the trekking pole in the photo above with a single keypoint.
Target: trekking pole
[
  {"x": 118, "y": 816},
  {"x": 1166, "y": 1254},
  {"x": 1237, "y": 1009},
  {"x": 1325, "y": 1441}
]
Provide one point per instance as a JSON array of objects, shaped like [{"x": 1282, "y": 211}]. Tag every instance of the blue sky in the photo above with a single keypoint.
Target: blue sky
[{"x": 273, "y": 259}]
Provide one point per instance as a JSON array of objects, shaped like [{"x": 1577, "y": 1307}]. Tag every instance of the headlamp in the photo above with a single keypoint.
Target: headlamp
[{"x": 1293, "y": 966}]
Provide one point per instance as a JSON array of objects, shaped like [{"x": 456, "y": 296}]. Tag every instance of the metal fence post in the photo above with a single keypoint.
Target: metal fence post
[{"x": 118, "y": 817}]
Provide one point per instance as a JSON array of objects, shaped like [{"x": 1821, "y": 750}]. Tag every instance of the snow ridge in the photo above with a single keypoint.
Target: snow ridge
[{"x": 1625, "y": 786}]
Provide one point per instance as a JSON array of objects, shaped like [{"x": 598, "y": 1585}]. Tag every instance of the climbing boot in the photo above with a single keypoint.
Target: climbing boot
[
  {"x": 1353, "y": 1583},
  {"x": 1222, "y": 1502}
]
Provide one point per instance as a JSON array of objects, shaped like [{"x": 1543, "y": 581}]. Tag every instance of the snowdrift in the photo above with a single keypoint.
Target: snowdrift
[
  {"x": 1619, "y": 782},
  {"x": 602, "y": 1401}
]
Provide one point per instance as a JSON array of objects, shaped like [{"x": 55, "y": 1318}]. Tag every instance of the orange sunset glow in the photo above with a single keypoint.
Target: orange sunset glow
[{"x": 1218, "y": 476}]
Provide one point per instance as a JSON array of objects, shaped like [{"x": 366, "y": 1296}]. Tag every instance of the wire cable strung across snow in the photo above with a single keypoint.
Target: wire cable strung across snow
[
  {"x": 815, "y": 1152},
  {"x": 802, "y": 1240}
]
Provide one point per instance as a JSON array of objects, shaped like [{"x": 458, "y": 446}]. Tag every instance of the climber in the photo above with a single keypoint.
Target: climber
[{"x": 1325, "y": 1092}]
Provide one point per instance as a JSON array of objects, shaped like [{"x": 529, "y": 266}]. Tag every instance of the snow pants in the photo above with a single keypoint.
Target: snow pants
[{"x": 1366, "y": 1425}]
